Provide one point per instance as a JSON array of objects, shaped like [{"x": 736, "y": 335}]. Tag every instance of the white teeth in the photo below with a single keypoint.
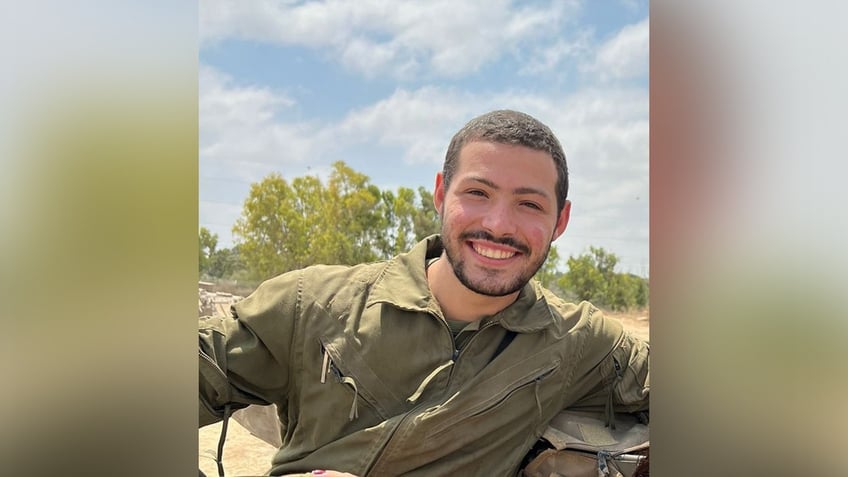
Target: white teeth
[{"x": 493, "y": 253}]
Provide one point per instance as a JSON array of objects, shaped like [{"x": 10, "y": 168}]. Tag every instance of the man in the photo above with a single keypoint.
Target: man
[{"x": 447, "y": 359}]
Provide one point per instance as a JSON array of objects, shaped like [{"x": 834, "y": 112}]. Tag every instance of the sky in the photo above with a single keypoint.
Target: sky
[{"x": 292, "y": 87}]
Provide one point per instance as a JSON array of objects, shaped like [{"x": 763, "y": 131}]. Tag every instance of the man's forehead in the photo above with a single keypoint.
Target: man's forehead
[
  {"x": 483, "y": 143},
  {"x": 498, "y": 165},
  {"x": 481, "y": 153}
]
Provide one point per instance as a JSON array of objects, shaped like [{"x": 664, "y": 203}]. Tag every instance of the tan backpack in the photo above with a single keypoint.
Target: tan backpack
[{"x": 583, "y": 445}]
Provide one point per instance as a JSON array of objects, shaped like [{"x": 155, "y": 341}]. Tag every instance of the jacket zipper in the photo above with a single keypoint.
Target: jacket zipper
[
  {"x": 455, "y": 353},
  {"x": 537, "y": 377},
  {"x": 376, "y": 460},
  {"x": 458, "y": 353},
  {"x": 532, "y": 379},
  {"x": 610, "y": 405},
  {"x": 454, "y": 350}
]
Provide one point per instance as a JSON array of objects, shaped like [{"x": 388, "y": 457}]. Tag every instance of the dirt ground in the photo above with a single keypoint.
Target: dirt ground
[{"x": 246, "y": 455}]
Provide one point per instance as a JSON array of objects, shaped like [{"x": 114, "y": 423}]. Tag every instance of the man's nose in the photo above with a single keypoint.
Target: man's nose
[{"x": 499, "y": 220}]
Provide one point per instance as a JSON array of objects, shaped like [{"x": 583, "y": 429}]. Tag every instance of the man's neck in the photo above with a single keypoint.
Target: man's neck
[{"x": 458, "y": 302}]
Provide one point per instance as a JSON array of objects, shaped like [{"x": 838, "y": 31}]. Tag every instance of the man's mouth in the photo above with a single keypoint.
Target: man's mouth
[{"x": 494, "y": 253}]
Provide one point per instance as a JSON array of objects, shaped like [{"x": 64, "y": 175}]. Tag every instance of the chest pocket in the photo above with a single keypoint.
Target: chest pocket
[
  {"x": 342, "y": 364},
  {"x": 511, "y": 401}
]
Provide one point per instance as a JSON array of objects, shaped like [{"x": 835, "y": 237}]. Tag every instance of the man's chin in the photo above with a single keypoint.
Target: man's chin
[
  {"x": 492, "y": 288},
  {"x": 497, "y": 293}
]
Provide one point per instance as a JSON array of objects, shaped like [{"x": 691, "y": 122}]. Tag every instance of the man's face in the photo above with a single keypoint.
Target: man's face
[{"x": 499, "y": 215}]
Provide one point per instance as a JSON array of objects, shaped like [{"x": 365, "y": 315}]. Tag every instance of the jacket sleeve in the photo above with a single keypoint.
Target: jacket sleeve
[
  {"x": 631, "y": 374},
  {"x": 621, "y": 381},
  {"x": 244, "y": 359}
]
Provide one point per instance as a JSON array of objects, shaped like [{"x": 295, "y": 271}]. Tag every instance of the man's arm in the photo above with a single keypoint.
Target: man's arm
[
  {"x": 632, "y": 382},
  {"x": 622, "y": 379},
  {"x": 216, "y": 391},
  {"x": 244, "y": 359}
]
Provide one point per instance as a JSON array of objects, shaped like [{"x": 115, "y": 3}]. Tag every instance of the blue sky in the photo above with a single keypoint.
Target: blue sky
[{"x": 291, "y": 87}]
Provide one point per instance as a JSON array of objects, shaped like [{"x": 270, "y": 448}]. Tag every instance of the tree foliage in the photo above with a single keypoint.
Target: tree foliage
[
  {"x": 208, "y": 242},
  {"x": 285, "y": 226},
  {"x": 547, "y": 275},
  {"x": 215, "y": 263},
  {"x": 592, "y": 277}
]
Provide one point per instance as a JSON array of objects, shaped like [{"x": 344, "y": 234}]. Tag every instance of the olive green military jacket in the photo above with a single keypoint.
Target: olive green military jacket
[{"x": 362, "y": 367}]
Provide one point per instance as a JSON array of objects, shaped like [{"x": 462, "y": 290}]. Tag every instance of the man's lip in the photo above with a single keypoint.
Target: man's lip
[
  {"x": 485, "y": 239},
  {"x": 493, "y": 249}
]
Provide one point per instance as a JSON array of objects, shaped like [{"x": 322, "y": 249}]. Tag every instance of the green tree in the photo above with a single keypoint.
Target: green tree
[
  {"x": 425, "y": 219},
  {"x": 217, "y": 263},
  {"x": 621, "y": 292},
  {"x": 347, "y": 220},
  {"x": 267, "y": 230},
  {"x": 289, "y": 226},
  {"x": 397, "y": 214},
  {"x": 642, "y": 291},
  {"x": 357, "y": 213},
  {"x": 547, "y": 275},
  {"x": 592, "y": 277},
  {"x": 208, "y": 242},
  {"x": 407, "y": 219},
  {"x": 584, "y": 277},
  {"x": 225, "y": 263}
]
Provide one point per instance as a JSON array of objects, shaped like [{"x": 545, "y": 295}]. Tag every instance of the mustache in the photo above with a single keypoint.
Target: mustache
[{"x": 508, "y": 241}]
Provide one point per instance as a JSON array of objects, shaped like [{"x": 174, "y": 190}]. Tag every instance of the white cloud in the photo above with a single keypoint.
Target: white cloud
[
  {"x": 416, "y": 121},
  {"x": 602, "y": 130},
  {"x": 240, "y": 124},
  {"x": 624, "y": 55},
  {"x": 552, "y": 57},
  {"x": 605, "y": 135},
  {"x": 445, "y": 38},
  {"x": 224, "y": 104}
]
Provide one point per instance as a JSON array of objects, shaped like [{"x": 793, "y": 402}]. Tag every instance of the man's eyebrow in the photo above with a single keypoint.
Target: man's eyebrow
[
  {"x": 530, "y": 190},
  {"x": 483, "y": 181},
  {"x": 516, "y": 191}
]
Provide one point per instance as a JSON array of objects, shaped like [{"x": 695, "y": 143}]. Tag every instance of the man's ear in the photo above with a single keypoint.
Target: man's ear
[
  {"x": 562, "y": 220},
  {"x": 439, "y": 193}
]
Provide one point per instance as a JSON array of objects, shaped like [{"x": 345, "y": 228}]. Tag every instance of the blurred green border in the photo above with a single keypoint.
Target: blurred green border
[{"x": 99, "y": 249}]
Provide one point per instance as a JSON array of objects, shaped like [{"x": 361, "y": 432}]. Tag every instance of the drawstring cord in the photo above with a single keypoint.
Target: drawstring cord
[
  {"x": 418, "y": 392},
  {"x": 219, "y": 458},
  {"x": 354, "y": 411},
  {"x": 536, "y": 394},
  {"x": 609, "y": 410},
  {"x": 326, "y": 367}
]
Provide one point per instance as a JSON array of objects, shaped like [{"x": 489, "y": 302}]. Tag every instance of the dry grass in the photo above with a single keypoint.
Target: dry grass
[{"x": 638, "y": 321}]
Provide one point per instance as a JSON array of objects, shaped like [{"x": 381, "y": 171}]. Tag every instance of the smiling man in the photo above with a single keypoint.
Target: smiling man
[
  {"x": 500, "y": 208},
  {"x": 446, "y": 360}
]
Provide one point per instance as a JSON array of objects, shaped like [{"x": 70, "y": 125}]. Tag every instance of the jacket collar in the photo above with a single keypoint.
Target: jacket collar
[{"x": 403, "y": 284}]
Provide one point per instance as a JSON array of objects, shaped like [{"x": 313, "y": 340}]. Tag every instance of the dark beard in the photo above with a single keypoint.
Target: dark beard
[{"x": 489, "y": 285}]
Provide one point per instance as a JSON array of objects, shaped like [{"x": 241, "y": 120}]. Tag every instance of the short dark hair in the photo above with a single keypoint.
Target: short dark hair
[{"x": 509, "y": 127}]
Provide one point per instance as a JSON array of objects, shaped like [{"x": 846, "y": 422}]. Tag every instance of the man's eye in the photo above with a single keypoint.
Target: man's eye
[
  {"x": 477, "y": 192},
  {"x": 532, "y": 205}
]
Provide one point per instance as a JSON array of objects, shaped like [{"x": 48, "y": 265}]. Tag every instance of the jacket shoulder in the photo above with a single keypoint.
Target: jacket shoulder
[
  {"x": 317, "y": 284},
  {"x": 327, "y": 283},
  {"x": 582, "y": 318}
]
